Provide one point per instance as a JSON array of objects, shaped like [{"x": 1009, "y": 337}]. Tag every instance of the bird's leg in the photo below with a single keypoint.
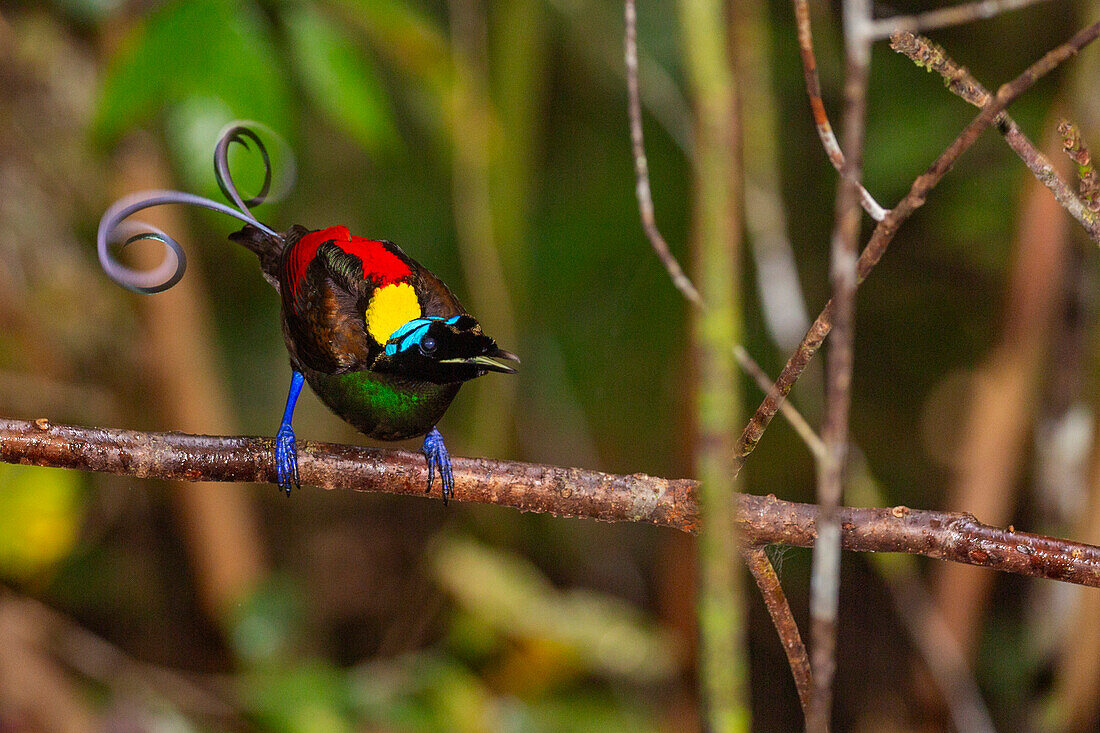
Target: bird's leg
[
  {"x": 436, "y": 454},
  {"x": 286, "y": 453}
]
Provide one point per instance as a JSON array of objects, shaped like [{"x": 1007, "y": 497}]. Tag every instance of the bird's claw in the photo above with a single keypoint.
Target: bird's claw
[
  {"x": 286, "y": 459},
  {"x": 436, "y": 454}
]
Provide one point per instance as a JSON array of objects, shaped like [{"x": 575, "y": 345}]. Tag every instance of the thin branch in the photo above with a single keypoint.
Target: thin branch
[
  {"x": 641, "y": 164},
  {"x": 817, "y": 105},
  {"x": 645, "y": 206},
  {"x": 825, "y": 572},
  {"x": 886, "y": 229},
  {"x": 931, "y": 56},
  {"x": 794, "y": 417},
  {"x": 1086, "y": 172},
  {"x": 780, "y": 611},
  {"x": 560, "y": 491},
  {"x": 944, "y": 17}
]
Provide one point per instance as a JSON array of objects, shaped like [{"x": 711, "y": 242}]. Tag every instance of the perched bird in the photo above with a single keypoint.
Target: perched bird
[{"x": 380, "y": 339}]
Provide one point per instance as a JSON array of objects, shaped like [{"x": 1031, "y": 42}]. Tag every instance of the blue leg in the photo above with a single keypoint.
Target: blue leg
[
  {"x": 436, "y": 454},
  {"x": 286, "y": 453}
]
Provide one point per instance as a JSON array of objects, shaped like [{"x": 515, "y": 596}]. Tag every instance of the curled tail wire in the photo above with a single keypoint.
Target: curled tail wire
[{"x": 113, "y": 227}]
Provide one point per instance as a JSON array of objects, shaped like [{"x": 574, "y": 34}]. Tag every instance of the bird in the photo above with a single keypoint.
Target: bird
[{"x": 382, "y": 341}]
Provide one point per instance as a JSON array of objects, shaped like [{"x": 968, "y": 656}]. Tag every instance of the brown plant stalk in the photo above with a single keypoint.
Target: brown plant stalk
[
  {"x": 886, "y": 229},
  {"x": 556, "y": 490}
]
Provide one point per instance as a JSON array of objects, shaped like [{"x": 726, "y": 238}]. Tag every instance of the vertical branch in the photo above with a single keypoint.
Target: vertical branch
[
  {"x": 716, "y": 237},
  {"x": 825, "y": 577},
  {"x": 756, "y": 559}
]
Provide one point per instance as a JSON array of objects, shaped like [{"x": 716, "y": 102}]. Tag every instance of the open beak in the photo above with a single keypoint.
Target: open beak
[{"x": 494, "y": 362}]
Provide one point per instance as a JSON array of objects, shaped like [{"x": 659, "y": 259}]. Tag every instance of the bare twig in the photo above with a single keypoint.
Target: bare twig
[
  {"x": 825, "y": 573},
  {"x": 887, "y": 228},
  {"x": 641, "y": 164},
  {"x": 794, "y": 417},
  {"x": 929, "y": 55},
  {"x": 944, "y": 17},
  {"x": 780, "y": 611},
  {"x": 572, "y": 492},
  {"x": 817, "y": 105},
  {"x": 1086, "y": 172}
]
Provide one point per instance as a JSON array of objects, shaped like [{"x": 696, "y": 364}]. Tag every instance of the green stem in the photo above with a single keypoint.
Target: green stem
[{"x": 717, "y": 242}]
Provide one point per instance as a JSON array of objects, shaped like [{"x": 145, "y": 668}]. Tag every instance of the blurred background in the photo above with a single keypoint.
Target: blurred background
[{"x": 489, "y": 139}]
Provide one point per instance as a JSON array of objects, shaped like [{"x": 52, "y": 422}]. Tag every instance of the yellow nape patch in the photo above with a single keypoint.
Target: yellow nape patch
[{"x": 391, "y": 308}]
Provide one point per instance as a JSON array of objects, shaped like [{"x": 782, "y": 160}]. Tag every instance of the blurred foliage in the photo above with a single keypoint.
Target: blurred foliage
[
  {"x": 392, "y": 614},
  {"x": 518, "y": 656},
  {"x": 40, "y": 516}
]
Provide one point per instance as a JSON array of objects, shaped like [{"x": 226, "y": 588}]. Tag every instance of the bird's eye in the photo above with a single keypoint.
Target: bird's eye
[{"x": 427, "y": 345}]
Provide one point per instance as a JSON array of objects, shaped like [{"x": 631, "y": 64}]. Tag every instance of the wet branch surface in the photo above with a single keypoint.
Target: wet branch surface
[{"x": 571, "y": 492}]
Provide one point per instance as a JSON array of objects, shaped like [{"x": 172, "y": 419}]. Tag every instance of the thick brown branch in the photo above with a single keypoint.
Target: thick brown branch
[{"x": 572, "y": 492}]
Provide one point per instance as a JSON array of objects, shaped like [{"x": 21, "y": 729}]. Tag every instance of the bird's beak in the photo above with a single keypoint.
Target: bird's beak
[{"x": 494, "y": 362}]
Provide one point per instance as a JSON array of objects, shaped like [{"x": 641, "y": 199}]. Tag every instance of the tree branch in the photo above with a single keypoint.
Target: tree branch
[
  {"x": 530, "y": 487},
  {"x": 844, "y": 247},
  {"x": 817, "y": 106},
  {"x": 932, "y": 57},
  {"x": 944, "y": 17},
  {"x": 763, "y": 572},
  {"x": 886, "y": 229}
]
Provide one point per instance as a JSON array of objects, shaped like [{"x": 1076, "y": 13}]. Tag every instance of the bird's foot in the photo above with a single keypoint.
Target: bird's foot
[
  {"x": 286, "y": 459},
  {"x": 436, "y": 454}
]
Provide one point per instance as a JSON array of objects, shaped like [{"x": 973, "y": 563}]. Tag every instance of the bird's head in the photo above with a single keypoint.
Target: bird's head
[{"x": 443, "y": 351}]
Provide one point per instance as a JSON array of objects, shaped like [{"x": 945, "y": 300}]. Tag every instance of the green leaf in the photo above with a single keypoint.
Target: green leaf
[
  {"x": 200, "y": 48},
  {"x": 340, "y": 79}
]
